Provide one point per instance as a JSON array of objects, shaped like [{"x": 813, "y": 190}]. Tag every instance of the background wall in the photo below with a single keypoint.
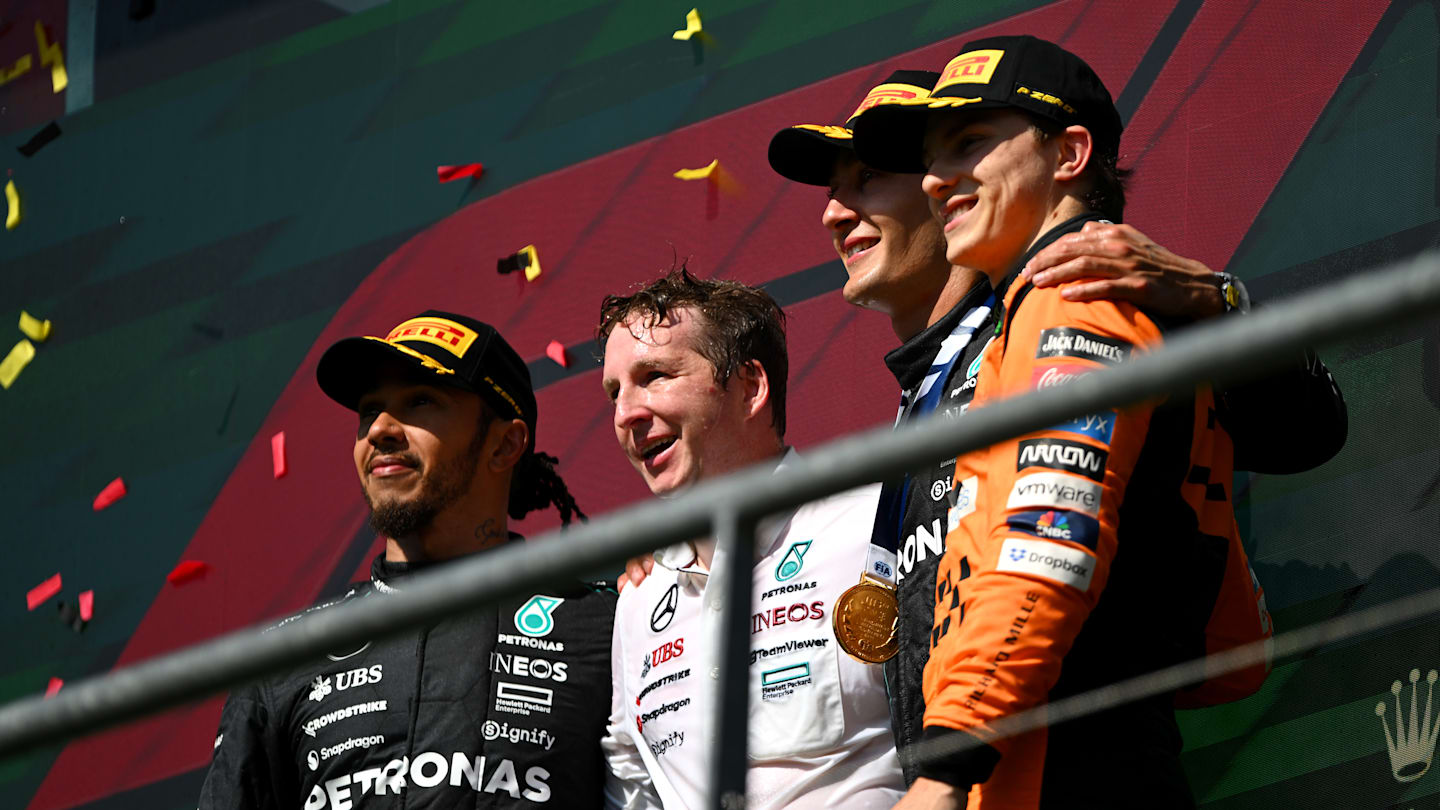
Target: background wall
[{"x": 240, "y": 182}]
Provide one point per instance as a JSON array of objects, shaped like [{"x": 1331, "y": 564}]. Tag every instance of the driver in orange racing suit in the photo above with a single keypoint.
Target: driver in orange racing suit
[{"x": 1092, "y": 551}]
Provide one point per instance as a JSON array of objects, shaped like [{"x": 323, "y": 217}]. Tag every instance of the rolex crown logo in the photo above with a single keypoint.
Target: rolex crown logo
[{"x": 1413, "y": 745}]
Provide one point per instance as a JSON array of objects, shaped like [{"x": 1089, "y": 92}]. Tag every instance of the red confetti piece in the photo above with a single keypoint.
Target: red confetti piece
[
  {"x": 87, "y": 606},
  {"x": 187, "y": 571},
  {"x": 556, "y": 351},
  {"x": 40, "y": 594},
  {"x": 53, "y": 687},
  {"x": 445, "y": 174},
  {"x": 113, "y": 491},
  {"x": 277, "y": 454}
]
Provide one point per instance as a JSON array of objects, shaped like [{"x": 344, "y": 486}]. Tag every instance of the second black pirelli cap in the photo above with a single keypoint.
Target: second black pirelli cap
[
  {"x": 806, "y": 153},
  {"x": 1024, "y": 72},
  {"x": 442, "y": 348}
]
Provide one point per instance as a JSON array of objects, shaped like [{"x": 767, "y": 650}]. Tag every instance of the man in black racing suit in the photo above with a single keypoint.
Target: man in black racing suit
[{"x": 500, "y": 707}]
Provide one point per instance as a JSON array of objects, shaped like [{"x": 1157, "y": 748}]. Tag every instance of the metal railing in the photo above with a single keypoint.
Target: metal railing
[{"x": 1225, "y": 351}]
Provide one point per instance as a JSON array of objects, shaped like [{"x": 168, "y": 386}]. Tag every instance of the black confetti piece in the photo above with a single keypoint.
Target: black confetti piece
[{"x": 39, "y": 139}]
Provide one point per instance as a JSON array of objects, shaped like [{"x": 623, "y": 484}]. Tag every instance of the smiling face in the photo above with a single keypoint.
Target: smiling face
[
  {"x": 674, "y": 422},
  {"x": 417, "y": 451},
  {"x": 991, "y": 183},
  {"x": 882, "y": 229}
]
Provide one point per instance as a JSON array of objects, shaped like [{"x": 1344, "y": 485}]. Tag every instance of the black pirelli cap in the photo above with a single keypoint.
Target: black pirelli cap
[
  {"x": 443, "y": 348},
  {"x": 806, "y": 153},
  {"x": 1023, "y": 72}
]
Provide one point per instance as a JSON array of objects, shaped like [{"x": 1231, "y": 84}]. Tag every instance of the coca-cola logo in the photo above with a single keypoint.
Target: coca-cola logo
[{"x": 1051, "y": 376}]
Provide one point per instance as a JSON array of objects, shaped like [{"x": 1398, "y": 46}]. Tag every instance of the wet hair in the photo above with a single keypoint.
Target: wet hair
[
  {"x": 1105, "y": 180},
  {"x": 742, "y": 324},
  {"x": 534, "y": 482}
]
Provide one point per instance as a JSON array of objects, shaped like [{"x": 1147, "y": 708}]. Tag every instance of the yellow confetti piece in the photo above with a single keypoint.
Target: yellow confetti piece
[
  {"x": 17, "y": 360},
  {"x": 21, "y": 67},
  {"x": 703, "y": 173},
  {"x": 59, "y": 79},
  {"x": 532, "y": 270},
  {"x": 34, "y": 328},
  {"x": 50, "y": 54},
  {"x": 12, "y": 196},
  {"x": 692, "y": 26},
  {"x": 713, "y": 172}
]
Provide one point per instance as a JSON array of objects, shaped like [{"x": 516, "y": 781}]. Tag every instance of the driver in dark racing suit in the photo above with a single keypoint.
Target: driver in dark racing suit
[{"x": 500, "y": 707}]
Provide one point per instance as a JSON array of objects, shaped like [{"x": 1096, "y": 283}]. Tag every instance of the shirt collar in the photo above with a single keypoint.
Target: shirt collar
[
  {"x": 1070, "y": 225},
  {"x": 387, "y": 576},
  {"x": 682, "y": 558},
  {"x": 910, "y": 362},
  {"x": 770, "y": 527}
]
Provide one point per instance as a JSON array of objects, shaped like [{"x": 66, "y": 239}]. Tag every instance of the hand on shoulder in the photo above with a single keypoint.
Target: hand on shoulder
[
  {"x": 636, "y": 570},
  {"x": 929, "y": 794},
  {"x": 1107, "y": 261}
]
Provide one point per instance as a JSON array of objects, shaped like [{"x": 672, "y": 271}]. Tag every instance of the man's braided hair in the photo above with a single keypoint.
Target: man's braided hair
[{"x": 535, "y": 485}]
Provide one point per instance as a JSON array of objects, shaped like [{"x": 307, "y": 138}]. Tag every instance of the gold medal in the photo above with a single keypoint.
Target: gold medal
[{"x": 864, "y": 621}]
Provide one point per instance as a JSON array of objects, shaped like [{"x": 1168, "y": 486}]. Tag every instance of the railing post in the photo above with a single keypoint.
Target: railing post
[{"x": 735, "y": 540}]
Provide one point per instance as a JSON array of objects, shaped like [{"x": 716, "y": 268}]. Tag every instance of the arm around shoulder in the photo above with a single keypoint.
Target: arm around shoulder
[
  {"x": 928, "y": 794},
  {"x": 1289, "y": 422}
]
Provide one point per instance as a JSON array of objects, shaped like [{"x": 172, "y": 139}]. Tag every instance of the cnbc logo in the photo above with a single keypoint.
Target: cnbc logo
[
  {"x": 1053, "y": 526},
  {"x": 1057, "y": 524}
]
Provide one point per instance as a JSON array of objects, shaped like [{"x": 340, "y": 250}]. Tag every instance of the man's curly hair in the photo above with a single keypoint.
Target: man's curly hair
[{"x": 742, "y": 323}]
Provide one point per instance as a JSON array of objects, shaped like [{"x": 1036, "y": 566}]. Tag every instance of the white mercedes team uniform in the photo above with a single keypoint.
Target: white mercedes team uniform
[{"x": 819, "y": 719}]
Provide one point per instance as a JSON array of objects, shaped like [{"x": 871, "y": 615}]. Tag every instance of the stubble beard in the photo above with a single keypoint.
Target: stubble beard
[{"x": 448, "y": 483}]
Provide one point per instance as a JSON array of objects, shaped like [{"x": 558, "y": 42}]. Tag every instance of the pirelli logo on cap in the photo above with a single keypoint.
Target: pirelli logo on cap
[
  {"x": 971, "y": 67},
  {"x": 447, "y": 334},
  {"x": 889, "y": 94}
]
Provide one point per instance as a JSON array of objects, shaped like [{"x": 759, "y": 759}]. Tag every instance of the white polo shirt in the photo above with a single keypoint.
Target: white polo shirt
[{"x": 819, "y": 719}]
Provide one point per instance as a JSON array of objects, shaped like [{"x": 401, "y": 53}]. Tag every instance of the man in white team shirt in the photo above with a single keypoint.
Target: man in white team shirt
[{"x": 696, "y": 371}]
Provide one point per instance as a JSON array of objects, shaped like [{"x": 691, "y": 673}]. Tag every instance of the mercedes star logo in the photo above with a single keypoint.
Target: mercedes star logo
[{"x": 664, "y": 611}]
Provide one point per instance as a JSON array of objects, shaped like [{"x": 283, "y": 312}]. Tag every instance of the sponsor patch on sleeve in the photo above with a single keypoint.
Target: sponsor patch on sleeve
[
  {"x": 1055, "y": 491},
  {"x": 1062, "y": 454},
  {"x": 964, "y": 497},
  {"x": 1097, "y": 426},
  {"x": 1068, "y": 342},
  {"x": 1060, "y": 374},
  {"x": 1057, "y": 563},
  {"x": 1057, "y": 524}
]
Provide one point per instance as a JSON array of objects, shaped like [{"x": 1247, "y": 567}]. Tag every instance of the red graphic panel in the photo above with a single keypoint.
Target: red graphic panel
[{"x": 1229, "y": 112}]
